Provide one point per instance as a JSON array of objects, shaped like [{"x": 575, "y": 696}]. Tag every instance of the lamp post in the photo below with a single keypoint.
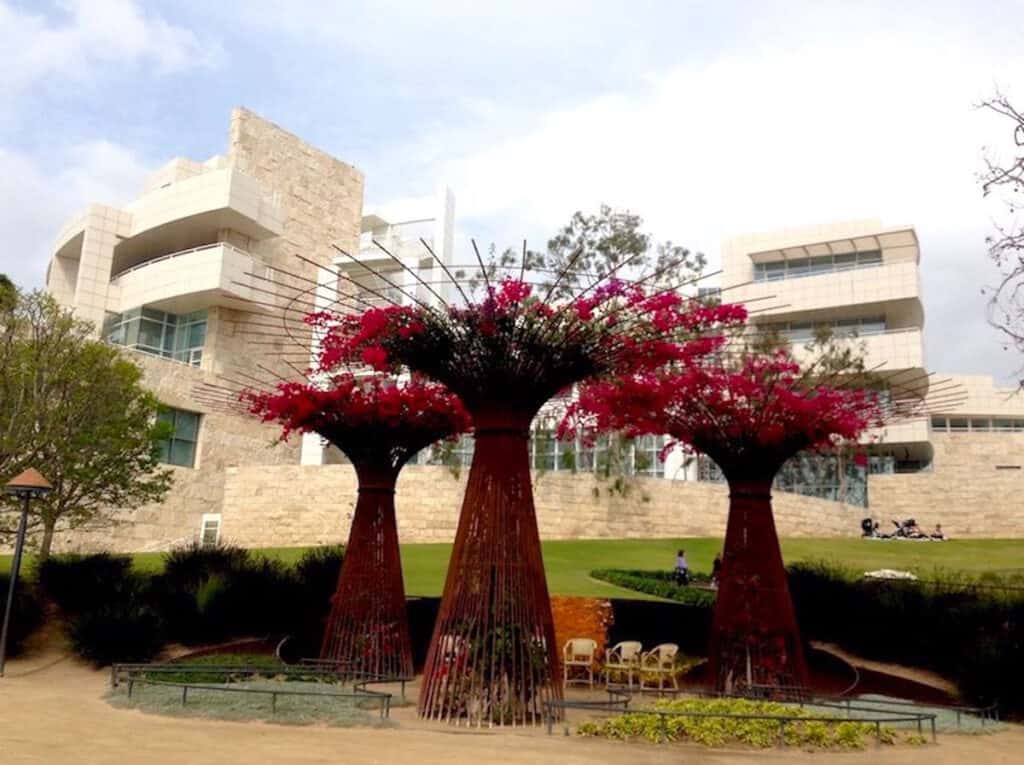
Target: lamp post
[{"x": 27, "y": 485}]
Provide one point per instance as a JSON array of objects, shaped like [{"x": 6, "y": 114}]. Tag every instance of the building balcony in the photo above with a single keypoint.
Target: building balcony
[
  {"x": 190, "y": 280},
  {"x": 894, "y": 349},
  {"x": 194, "y": 211},
  {"x": 892, "y": 282}
]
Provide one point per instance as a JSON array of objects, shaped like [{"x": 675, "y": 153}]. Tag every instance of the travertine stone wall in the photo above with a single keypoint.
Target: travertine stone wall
[
  {"x": 321, "y": 197},
  {"x": 975, "y": 489},
  {"x": 267, "y": 500},
  {"x": 224, "y": 441},
  {"x": 299, "y": 505}
]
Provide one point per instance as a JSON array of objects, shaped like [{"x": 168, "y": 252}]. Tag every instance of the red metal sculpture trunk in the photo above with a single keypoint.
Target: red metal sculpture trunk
[
  {"x": 367, "y": 632},
  {"x": 754, "y": 636},
  {"x": 493, "y": 658}
]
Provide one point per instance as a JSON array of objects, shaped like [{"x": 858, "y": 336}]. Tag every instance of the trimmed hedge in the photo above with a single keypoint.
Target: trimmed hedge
[
  {"x": 26, "y": 613},
  {"x": 659, "y": 583}
]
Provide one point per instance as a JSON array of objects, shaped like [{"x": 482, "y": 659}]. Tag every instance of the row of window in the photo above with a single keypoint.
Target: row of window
[
  {"x": 803, "y": 331},
  {"x": 978, "y": 424},
  {"x": 822, "y": 264},
  {"x": 811, "y": 475},
  {"x": 159, "y": 333},
  {"x": 548, "y": 453}
]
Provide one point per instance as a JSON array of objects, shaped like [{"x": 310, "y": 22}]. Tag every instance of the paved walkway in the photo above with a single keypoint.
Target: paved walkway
[{"x": 52, "y": 711}]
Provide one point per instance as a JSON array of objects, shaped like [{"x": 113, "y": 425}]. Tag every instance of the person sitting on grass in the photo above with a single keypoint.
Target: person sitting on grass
[
  {"x": 937, "y": 534},
  {"x": 682, "y": 574}
]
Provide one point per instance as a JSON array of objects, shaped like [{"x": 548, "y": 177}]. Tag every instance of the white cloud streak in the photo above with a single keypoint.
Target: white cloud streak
[
  {"x": 88, "y": 34},
  {"x": 35, "y": 201},
  {"x": 882, "y": 128}
]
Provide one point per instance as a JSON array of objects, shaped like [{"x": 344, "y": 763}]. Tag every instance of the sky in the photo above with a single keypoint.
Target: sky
[{"x": 707, "y": 119}]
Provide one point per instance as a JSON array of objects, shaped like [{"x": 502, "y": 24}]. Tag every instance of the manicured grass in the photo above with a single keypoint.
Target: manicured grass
[{"x": 569, "y": 563}]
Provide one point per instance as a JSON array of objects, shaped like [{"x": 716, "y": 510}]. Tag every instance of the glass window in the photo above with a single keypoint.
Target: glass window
[
  {"x": 957, "y": 424},
  {"x": 1018, "y": 426},
  {"x": 1002, "y": 425},
  {"x": 543, "y": 448},
  {"x": 798, "y": 267},
  {"x": 453, "y": 454},
  {"x": 845, "y": 262},
  {"x": 180, "y": 447},
  {"x": 162, "y": 334},
  {"x": 939, "y": 423},
  {"x": 981, "y": 426},
  {"x": 872, "y": 326},
  {"x": 647, "y": 458},
  {"x": 773, "y": 271}
]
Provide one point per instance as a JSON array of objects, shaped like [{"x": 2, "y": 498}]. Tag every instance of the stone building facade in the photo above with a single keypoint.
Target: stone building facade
[{"x": 184, "y": 276}]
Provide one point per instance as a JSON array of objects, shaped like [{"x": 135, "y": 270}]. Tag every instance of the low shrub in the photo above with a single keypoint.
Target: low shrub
[
  {"x": 725, "y": 731},
  {"x": 659, "y": 583},
  {"x": 26, "y": 613},
  {"x": 78, "y": 583},
  {"x": 206, "y": 594},
  {"x": 123, "y": 628},
  {"x": 248, "y": 660},
  {"x": 187, "y": 567},
  {"x": 316, "y": 576}
]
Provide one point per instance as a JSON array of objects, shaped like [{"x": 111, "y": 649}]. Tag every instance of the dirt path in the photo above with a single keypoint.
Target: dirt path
[
  {"x": 52, "y": 711},
  {"x": 922, "y": 676}
]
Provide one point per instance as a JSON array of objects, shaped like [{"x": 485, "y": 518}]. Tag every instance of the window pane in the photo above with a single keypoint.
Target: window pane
[
  {"x": 981, "y": 426},
  {"x": 1003, "y": 425},
  {"x": 957, "y": 424},
  {"x": 938, "y": 423},
  {"x": 183, "y": 453},
  {"x": 845, "y": 261},
  {"x": 151, "y": 334},
  {"x": 869, "y": 258},
  {"x": 186, "y": 426}
]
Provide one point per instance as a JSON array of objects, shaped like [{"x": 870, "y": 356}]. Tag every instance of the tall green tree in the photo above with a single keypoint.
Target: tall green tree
[{"x": 74, "y": 408}]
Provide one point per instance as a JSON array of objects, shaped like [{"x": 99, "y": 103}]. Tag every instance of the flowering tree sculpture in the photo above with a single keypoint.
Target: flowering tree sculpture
[
  {"x": 493, "y": 657},
  {"x": 379, "y": 424},
  {"x": 749, "y": 413}
]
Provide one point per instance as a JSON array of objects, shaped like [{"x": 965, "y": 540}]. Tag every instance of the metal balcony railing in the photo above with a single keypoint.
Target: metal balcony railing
[{"x": 178, "y": 254}]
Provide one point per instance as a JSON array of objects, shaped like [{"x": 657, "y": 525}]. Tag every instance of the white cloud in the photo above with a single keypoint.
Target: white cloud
[
  {"x": 35, "y": 201},
  {"x": 883, "y": 127},
  {"x": 91, "y": 33}
]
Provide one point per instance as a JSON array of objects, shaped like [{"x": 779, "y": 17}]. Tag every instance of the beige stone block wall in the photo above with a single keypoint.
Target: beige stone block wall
[
  {"x": 975, "y": 489},
  {"x": 225, "y": 440},
  {"x": 301, "y": 505}
]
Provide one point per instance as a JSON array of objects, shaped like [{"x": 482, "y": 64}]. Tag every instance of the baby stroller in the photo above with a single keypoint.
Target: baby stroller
[{"x": 869, "y": 530}]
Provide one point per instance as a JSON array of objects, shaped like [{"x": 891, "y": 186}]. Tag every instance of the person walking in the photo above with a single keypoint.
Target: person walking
[
  {"x": 682, "y": 574},
  {"x": 716, "y": 570}
]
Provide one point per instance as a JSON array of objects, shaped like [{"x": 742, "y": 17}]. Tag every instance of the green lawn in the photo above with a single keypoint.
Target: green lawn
[{"x": 569, "y": 563}]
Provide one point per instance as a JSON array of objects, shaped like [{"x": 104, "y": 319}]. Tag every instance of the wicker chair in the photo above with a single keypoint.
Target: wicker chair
[
  {"x": 578, "y": 654},
  {"x": 659, "y": 666},
  {"x": 623, "y": 659}
]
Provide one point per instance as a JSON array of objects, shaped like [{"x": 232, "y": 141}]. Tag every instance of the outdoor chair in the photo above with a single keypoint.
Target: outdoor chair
[
  {"x": 578, "y": 654},
  {"x": 659, "y": 666},
  {"x": 622, "y": 659}
]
